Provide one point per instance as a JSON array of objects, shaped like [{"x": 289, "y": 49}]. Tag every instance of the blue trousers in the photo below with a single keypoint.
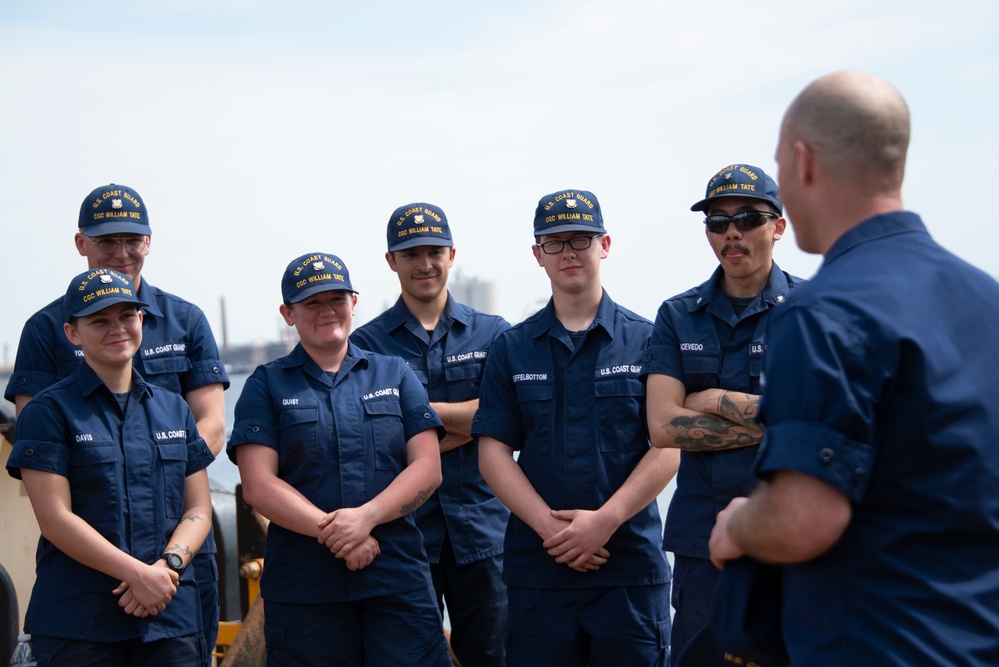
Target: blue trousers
[
  {"x": 476, "y": 606},
  {"x": 589, "y": 627},
  {"x": 694, "y": 582},
  {"x": 387, "y": 631},
  {"x": 56, "y": 651}
]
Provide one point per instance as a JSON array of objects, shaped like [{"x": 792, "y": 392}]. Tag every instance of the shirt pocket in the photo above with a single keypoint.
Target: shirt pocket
[
  {"x": 701, "y": 367},
  {"x": 166, "y": 371},
  {"x": 620, "y": 417},
  {"x": 94, "y": 483},
  {"x": 173, "y": 461},
  {"x": 384, "y": 417},
  {"x": 298, "y": 435},
  {"x": 535, "y": 400},
  {"x": 464, "y": 380}
]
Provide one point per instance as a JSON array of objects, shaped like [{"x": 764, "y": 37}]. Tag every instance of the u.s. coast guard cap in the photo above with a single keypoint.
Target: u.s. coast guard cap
[
  {"x": 740, "y": 180},
  {"x": 97, "y": 289},
  {"x": 417, "y": 224},
  {"x": 113, "y": 209},
  {"x": 568, "y": 211},
  {"x": 313, "y": 273}
]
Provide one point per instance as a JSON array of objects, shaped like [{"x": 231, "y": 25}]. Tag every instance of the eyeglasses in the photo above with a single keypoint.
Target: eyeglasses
[
  {"x": 576, "y": 243},
  {"x": 109, "y": 246},
  {"x": 744, "y": 221}
]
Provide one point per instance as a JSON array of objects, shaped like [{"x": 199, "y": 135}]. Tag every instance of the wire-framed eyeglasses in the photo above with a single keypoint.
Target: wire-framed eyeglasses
[{"x": 108, "y": 245}]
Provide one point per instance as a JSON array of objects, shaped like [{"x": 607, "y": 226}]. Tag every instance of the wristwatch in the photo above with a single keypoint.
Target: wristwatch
[{"x": 174, "y": 562}]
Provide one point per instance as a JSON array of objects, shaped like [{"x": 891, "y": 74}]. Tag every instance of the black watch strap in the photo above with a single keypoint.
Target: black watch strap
[{"x": 174, "y": 561}]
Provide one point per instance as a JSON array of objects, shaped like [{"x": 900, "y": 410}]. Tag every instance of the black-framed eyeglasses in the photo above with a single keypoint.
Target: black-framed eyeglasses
[
  {"x": 744, "y": 221},
  {"x": 576, "y": 243},
  {"x": 107, "y": 245}
]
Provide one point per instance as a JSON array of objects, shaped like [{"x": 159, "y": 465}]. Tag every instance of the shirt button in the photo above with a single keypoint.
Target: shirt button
[
  {"x": 426, "y": 415},
  {"x": 29, "y": 452},
  {"x": 647, "y": 358},
  {"x": 255, "y": 429},
  {"x": 215, "y": 369},
  {"x": 826, "y": 455},
  {"x": 22, "y": 381}
]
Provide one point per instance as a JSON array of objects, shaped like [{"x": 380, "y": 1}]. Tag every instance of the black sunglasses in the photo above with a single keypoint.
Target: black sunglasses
[{"x": 743, "y": 221}]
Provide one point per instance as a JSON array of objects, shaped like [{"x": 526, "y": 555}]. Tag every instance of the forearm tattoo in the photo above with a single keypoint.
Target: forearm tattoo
[
  {"x": 420, "y": 498},
  {"x": 728, "y": 409},
  {"x": 183, "y": 550},
  {"x": 193, "y": 518},
  {"x": 707, "y": 433}
]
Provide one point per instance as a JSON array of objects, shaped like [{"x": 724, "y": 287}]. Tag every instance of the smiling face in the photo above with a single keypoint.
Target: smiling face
[
  {"x": 422, "y": 271},
  {"x": 126, "y": 255},
  {"x": 322, "y": 320},
  {"x": 110, "y": 337},
  {"x": 746, "y": 257},
  {"x": 573, "y": 271}
]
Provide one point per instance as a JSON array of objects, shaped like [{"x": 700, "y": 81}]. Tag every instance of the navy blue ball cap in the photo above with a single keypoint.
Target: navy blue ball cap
[
  {"x": 744, "y": 626},
  {"x": 96, "y": 289},
  {"x": 113, "y": 209},
  {"x": 740, "y": 180},
  {"x": 313, "y": 273},
  {"x": 418, "y": 224},
  {"x": 568, "y": 211}
]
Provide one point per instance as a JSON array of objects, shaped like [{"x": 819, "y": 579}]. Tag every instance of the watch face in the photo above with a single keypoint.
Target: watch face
[{"x": 174, "y": 561}]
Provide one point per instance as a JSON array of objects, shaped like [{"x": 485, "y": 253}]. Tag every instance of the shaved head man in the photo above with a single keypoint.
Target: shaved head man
[{"x": 878, "y": 466}]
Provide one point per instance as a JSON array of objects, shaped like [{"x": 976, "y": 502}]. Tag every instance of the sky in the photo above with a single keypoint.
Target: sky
[{"x": 258, "y": 130}]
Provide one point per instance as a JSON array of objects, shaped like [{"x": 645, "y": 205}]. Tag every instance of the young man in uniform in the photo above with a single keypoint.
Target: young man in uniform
[
  {"x": 587, "y": 579},
  {"x": 446, "y": 344},
  {"x": 178, "y": 349},
  {"x": 704, "y": 377},
  {"x": 879, "y": 465}
]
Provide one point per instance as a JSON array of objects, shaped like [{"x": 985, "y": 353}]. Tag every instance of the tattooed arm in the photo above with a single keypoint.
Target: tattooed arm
[
  {"x": 345, "y": 529},
  {"x": 707, "y": 421},
  {"x": 152, "y": 587},
  {"x": 197, "y": 519}
]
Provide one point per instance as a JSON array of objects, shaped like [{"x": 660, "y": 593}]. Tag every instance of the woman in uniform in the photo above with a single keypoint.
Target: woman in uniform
[
  {"x": 115, "y": 471},
  {"x": 337, "y": 446}
]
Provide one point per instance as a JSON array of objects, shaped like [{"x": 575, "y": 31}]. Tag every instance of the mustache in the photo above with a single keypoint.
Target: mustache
[{"x": 735, "y": 246}]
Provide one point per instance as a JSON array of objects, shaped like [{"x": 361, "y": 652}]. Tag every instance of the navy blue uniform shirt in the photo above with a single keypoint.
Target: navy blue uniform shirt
[
  {"x": 178, "y": 352},
  {"x": 576, "y": 415},
  {"x": 126, "y": 475},
  {"x": 340, "y": 444},
  {"x": 699, "y": 340},
  {"x": 449, "y": 364},
  {"x": 891, "y": 399}
]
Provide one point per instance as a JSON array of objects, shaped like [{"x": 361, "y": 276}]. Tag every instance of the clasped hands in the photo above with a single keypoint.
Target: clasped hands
[
  {"x": 347, "y": 534},
  {"x": 150, "y": 592},
  {"x": 577, "y": 538}
]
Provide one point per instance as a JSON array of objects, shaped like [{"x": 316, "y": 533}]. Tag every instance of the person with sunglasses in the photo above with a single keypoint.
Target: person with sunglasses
[
  {"x": 878, "y": 476},
  {"x": 703, "y": 376},
  {"x": 587, "y": 579},
  {"x": 178, "y": 351}
]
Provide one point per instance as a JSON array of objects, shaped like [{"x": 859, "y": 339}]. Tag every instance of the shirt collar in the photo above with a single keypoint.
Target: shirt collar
[
  {"x": 147, "y": 294},
  {"x": 876, "y": 227}
]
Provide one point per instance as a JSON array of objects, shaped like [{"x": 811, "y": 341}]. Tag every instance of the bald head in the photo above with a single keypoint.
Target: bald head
[{"x": 858, "y": 126}]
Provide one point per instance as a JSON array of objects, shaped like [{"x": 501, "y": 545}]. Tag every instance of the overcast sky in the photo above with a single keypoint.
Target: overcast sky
[{"x": 259, "y": 130}]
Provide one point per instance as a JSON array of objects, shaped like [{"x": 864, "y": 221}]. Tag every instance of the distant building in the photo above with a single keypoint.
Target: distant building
[{"x": 479, "y": 294}]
